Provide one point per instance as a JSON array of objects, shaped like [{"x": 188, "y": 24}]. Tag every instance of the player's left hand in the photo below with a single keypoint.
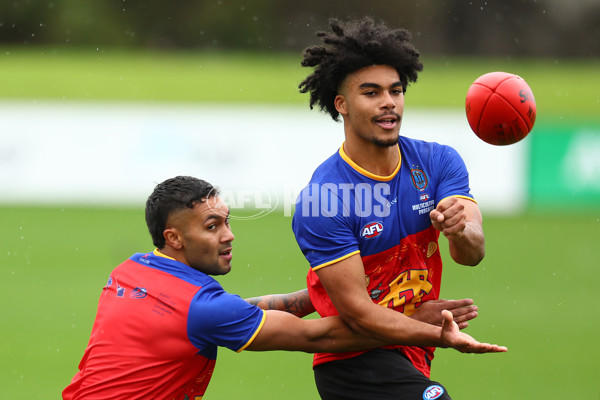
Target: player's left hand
[
  {"x": 449, "y": 217},
  {"x": 462, "y": 311},
  {"x": 454, "y": 338}
]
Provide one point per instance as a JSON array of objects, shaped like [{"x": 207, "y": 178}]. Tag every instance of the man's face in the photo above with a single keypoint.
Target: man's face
[
  {"x": 371, "y": 101},
  {"x": 205, "y": 236}
]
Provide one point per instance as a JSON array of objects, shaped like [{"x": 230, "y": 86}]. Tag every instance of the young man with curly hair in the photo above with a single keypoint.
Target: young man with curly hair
[{"x": 369, "y": 220}]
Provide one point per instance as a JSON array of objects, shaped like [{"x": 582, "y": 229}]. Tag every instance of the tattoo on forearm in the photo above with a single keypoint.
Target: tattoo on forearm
[{"x": 297, "y": 303}]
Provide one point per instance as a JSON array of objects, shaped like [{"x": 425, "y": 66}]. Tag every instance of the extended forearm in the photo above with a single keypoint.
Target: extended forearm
[
  {"x": 336, "y": 336},
  {"x": 297, "y": 303},
  {"x": 283, "y": 331},
  {"x": 392, "y": 327},
  {"x": 469, "y": 247}
]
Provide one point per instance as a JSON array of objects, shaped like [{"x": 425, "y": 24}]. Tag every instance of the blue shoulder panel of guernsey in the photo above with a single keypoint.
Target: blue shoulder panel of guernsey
[
  {"x": 345, "y": 210},
  {"x": 157, "y": 329}
]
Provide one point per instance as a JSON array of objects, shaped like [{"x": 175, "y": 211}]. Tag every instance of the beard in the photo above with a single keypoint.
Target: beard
[{"x": 385, "y": 143}]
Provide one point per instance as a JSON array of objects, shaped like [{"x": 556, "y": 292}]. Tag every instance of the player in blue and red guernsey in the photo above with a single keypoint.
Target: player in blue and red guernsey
[
  {"x": 369, "y": 220},
  {"x": 161, "y": 316}
]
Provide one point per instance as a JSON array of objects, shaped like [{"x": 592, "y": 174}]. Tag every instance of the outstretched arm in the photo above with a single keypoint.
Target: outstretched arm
[
  {"x": 297, "y": 303},
  {"x": 460, "y": 221},
  {"x": 345, "y": 285},
  {"x": 284, "y": 331}
]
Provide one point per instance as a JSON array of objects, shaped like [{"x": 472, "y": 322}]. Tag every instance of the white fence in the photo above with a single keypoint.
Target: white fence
[{"x": 99, "y": 154}]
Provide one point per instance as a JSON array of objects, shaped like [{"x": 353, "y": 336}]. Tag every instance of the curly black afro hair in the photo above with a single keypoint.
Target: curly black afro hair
[{"x": 352, "y": 46}]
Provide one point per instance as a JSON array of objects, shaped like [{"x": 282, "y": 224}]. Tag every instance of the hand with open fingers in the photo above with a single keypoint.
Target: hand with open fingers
[
  {"x": 454, "y": 338},
  {"x": 462, "y": 310}
]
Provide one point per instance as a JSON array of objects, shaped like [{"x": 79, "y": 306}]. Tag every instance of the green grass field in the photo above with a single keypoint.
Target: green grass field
[
  {"x": 535, "y": 289},
  {"x": 564, "y": 89}
]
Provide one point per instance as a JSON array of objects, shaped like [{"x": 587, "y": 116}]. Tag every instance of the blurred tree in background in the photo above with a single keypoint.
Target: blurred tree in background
[{"x": 548, "y": 28}]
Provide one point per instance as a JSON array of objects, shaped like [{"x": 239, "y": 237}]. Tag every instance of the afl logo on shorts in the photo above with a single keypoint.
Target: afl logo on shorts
[
  {"x": 371, "y": 230},
  {"x": 433, "y": 392}
]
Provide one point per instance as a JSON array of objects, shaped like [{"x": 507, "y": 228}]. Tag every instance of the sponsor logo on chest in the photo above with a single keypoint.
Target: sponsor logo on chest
[{"x": 371, "y": 230}]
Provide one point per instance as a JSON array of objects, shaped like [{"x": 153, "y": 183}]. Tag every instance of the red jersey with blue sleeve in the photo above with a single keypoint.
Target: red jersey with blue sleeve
[
  {"x": 157, "y": 329},
  {"x": 345, "y": 210}
]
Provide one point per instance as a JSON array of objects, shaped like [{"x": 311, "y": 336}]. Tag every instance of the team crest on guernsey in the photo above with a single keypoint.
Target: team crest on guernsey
[
  {"x": 419, "y": 179},
  {"x": 371, "y": 230},
  {"x": 433, "y": 392}
]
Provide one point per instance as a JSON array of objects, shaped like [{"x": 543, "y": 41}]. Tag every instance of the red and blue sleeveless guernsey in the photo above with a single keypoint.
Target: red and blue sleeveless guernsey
[
  {"x": 345, "y": 210},
  {"x": 157, "y": 329}
]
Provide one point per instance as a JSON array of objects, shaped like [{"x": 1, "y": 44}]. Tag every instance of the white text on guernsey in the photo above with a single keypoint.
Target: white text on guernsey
[{"x": 331, "y": 199}]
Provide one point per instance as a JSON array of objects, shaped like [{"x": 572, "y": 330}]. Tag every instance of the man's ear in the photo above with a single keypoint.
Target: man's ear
[
  {"x": 173, "y": 238},
  {"x": 340, "y": 104}
]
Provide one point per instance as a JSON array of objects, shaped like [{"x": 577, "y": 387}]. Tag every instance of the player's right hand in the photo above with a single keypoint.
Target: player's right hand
[{"x": 462, "y": 310}]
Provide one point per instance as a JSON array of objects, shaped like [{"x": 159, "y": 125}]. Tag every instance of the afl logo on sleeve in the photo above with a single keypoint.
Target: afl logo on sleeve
[
  {"x": 371, "y": 230},
  {"x": 433, "y": 392}
]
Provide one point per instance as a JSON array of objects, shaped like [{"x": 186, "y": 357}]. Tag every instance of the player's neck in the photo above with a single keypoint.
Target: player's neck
[
  {"x": 381, "y": 161},
  {"x": 171, "y": 253}
]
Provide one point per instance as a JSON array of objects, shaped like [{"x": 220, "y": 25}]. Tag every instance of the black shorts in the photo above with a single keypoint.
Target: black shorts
[{"x": 381, "y": 374}]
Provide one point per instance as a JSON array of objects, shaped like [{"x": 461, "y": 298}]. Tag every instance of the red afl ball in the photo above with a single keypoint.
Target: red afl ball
[{"x": 500, "y": 108}]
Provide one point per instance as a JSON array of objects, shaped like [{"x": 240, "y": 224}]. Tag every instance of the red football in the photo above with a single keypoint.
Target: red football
[{"x": 500, "y": 108}]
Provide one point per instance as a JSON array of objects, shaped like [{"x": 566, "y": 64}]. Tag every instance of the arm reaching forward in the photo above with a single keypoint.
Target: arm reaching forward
[
  {"x": 284, "y": 331},
  {"x": 297, "y": 303}
]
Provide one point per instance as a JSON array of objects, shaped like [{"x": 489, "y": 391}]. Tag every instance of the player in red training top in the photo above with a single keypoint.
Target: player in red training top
[
  {"x": 161, "y": 316},
  {"x": 369, "y": 220}
]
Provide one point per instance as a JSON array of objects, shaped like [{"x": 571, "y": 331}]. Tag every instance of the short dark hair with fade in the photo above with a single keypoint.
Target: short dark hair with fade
[
  {"x": 174, "y": 194},
  {"x": 353, "y": 46}
]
